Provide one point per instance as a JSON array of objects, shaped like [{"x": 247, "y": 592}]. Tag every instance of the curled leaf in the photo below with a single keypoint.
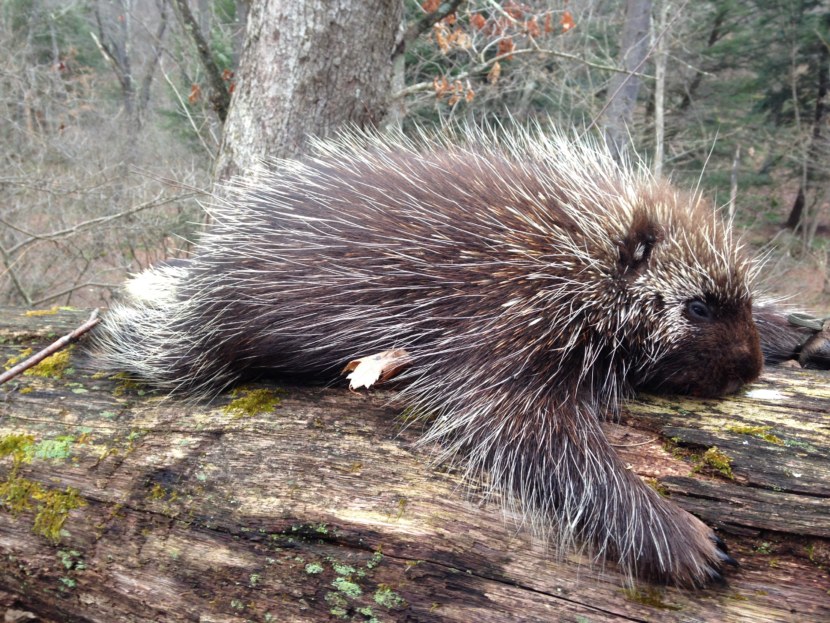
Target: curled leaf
[{"x": 366, "y": 371}]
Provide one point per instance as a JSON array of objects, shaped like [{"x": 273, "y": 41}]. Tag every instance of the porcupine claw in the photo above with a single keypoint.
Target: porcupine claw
[{"x": 722, "y": 551}]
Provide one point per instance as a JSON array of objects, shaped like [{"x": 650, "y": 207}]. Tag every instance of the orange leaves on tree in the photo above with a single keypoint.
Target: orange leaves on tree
[
  {"x": 494, "y": 73},
  {"x": 454, "y": 92},
  {"x": 430, "y": 6},
  {"x": 506, "y": 46},
  {"x": 446, "y": 40},
  {"x": 532, "y": 27},
  {"x": 195, "y": 93},
  {"x": 567, "y": 21},
  {"x": 515, "y": 10},
  {"x": 227, "y": 76},
  {"x": 478, "y": 21},
  {"x": 441, "y": 34}
]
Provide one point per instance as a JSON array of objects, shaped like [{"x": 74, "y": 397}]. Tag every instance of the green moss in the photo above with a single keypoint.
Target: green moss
[
  {"x": 386, "y": 597},
  {"x": 717, "y": 460},
  {"x": 339, "y": 604},
  {"x": 761, "y": 432},
  {"x": 53, "y": 367},
  {"x": 13, "y": 361},
  {"x": 71, "y": 560},
  {"x": 157, "y": 492},
  {"x": 128, "y": 385},
  {"x": 367, "y": 612},
  {"x": 54, "y": 510},
  {"x": 20, "y": 494},
  {"x": 44, "y": 312},
  {"x": 375, "y": 560},
  {"x": 347, "y": 587},
  {"x": 650, "y": 596},
  {"x": 248, "y": 402},
  {"x": 16, "y": 446},
  {"x": 764, "y": 548},
  {"x": 58, "y": 448},
  {"x": 314, "y": 568},
  {"x": 658, "y": 486},
  {"x": 341, "y": 569}
]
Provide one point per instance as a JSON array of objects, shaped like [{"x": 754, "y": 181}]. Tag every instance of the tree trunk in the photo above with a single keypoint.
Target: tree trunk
[
  {"x": 305, "y": 504},
  {"x": 815, "y": 165},
  {"x": 660, "y": 62},
  {"x": 624, "y": 87},
  {"x": 308, "y": 69}
]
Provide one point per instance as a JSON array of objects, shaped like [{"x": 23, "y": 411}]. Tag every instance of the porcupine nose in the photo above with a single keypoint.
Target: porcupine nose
[{"x": 747, "y": 362}]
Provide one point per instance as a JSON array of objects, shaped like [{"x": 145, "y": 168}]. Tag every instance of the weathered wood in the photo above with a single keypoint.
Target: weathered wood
[{"x": 321, "y": 507}]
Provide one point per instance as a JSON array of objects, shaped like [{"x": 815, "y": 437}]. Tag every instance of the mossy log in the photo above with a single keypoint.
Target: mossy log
[{"x": 285, "y": 503}]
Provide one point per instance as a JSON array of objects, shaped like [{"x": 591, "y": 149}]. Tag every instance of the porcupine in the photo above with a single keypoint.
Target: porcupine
[{"x": 533, "y": 282}]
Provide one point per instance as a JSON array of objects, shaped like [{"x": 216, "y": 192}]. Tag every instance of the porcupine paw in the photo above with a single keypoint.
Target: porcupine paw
[{"x": 696, "y": 556}]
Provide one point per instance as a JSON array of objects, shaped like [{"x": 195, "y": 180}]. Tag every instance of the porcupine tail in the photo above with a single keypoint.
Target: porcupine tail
[{"x": 154, "y": 332}]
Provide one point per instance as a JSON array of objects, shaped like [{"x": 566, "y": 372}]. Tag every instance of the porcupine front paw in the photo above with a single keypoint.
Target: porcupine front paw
[{"x": 685, "y": 551}]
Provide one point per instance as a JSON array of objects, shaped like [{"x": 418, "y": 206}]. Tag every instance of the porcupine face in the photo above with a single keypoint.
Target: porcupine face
[{"x": 695, "y": 281}]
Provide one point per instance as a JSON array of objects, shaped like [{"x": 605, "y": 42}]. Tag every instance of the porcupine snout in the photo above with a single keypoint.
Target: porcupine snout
[{"x": 720, "y": 353}]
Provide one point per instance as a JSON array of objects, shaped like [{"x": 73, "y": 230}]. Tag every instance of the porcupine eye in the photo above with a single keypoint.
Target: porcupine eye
[{"x": 698, "y": 311}]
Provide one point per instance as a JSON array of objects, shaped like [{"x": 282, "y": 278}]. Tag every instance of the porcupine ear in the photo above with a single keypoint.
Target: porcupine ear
[{"x": 635, "y": 249}]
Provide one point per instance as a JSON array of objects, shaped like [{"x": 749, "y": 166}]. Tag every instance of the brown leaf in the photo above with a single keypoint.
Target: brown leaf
[
  {"x": 506, "y": 46},
  {"x": 430, "y": 6},
  {"x": 477, "y": 21},
  {"x": 195, "y": 93},
  {"x": 494, "y": 73},
  {"x": 567, "y": 21},
  {"x": 372, "y": 369}
]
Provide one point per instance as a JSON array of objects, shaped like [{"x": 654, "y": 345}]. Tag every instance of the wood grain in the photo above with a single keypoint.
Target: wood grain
[{"x": 324, "y": 508}]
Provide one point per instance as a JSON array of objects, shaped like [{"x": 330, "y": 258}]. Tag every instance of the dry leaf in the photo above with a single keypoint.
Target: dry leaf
[
  {"x": 195, "y": 93},
  {"x": 367, "y": 371},
  {"x": 494, "y": 73},
  {"x": 567, "y": 21}
]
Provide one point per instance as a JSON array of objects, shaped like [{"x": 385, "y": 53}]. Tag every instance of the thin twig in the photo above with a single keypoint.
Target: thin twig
[
  {"x": 51, "y": 349},
  {"x": 186, "y": 112},
  {"x": 88, "y": 284},
  {"x": 86, "y": 224},
  {"x": 481, "y": 67}
]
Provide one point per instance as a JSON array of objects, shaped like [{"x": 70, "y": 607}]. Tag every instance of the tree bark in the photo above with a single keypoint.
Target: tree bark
[
  {"x": 315, "y": 504},
  {"x": 308, "y": 69},
  {"x": 624, "y": 87},
  {"x": 815, "y": 165}
]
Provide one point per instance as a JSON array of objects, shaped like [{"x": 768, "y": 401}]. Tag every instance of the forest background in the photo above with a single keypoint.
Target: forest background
[{"x": 112, "y": 112}]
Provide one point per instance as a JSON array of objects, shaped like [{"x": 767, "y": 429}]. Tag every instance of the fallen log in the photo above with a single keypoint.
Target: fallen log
[{"x": 287, "y": 503}]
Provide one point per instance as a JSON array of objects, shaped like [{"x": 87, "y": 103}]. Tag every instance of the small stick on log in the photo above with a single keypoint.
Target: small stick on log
[{"x": 51, "y": 349}]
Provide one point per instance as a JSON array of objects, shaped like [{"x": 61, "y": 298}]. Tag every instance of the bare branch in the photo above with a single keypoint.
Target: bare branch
[
  {"x": 486, "y": 65},
  {"x": 220, "y": 97},
  {"x": 75, "y": 288},
  {"x": 51, "y": 349},
  {"x": 70, "y": 231}
]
